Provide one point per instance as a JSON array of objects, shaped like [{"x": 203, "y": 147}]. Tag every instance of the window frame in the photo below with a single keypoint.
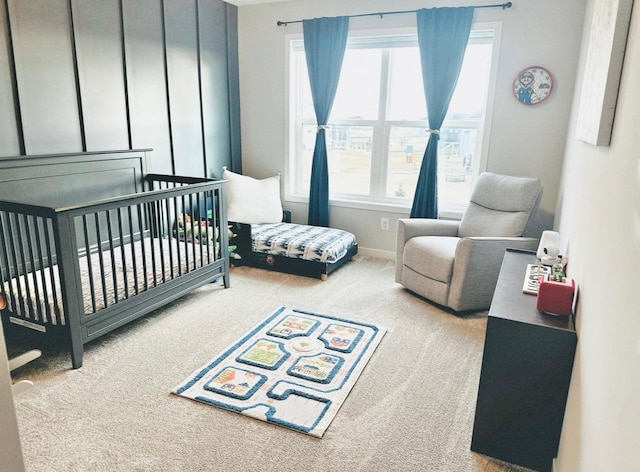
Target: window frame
[{"x": 378, "y": 170}]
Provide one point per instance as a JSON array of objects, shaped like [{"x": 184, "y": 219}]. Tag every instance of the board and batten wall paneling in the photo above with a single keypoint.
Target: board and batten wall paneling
[
  {"x": 98, "y": 37},
  {"x": 45, "y": 74},
  {"x": 9, "y": 129},
  {"x": 214, "y": 67},
  {"x": 144, "y": 54},
  {"x": 234, "y": 88},
  {"x": 94, "y": 75},
  {"x": 183, "y": 82}
]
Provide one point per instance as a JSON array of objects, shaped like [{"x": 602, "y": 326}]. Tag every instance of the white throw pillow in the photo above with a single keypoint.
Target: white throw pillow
[{"x": 253, "y": 201}]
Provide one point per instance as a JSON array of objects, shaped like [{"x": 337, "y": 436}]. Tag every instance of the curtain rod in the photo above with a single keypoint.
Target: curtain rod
[{"x": 381, "y": 14}]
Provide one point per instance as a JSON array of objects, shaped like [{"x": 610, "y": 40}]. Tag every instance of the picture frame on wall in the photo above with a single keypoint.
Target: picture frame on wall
[{"x": 605, "y": 55}]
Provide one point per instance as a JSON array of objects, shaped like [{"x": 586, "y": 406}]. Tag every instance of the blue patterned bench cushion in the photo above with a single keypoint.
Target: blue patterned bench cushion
[{"x": 312, "y": 243}]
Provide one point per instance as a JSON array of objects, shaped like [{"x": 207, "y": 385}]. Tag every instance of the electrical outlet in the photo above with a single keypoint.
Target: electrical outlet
[{"x": 384, "y": 224}]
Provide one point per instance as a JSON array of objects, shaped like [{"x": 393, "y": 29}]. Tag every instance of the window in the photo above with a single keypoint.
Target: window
[{"x": 378, "y": 123}]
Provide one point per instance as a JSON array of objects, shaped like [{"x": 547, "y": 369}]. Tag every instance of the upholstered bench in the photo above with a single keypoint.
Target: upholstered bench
[
  {"x": 265, "y": 237},
  {"x": 311, "y": 251}
]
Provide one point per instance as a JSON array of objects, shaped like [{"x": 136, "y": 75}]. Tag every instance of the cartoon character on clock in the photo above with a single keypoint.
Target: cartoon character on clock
[
  {"x": 533, "y": 85},
  {"x": 524, "y": 88}
]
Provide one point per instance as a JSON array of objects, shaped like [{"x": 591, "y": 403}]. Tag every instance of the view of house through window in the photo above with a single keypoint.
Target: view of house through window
[{"x": 378, "y": 124}]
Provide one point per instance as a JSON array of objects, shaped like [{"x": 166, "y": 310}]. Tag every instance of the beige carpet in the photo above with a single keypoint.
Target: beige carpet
[{"x": 411, "y": 410}]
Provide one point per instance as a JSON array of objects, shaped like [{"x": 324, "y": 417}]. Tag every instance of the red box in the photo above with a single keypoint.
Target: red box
[{"x": 556, "y": 298}]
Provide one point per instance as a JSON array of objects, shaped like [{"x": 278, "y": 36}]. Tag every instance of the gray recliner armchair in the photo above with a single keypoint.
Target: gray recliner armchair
[{"x": 456, "y": 263}]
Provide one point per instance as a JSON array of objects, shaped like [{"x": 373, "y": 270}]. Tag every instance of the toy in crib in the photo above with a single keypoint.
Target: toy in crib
[
  {"x": 201, "y": 231},
  {"x": 203, "y": 234}
]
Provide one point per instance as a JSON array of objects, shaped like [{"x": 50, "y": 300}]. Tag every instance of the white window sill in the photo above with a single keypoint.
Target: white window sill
[{"x": 451, "y": 213}]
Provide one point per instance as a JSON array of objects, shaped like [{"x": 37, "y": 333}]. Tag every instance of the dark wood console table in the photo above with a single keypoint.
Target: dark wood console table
[{"x": 526, "y": 370}]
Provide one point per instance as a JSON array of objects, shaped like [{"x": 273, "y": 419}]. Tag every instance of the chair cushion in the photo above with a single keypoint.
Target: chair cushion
[
  {"x": 481, "y": 221},
  {"x": 431, "y": 256},
  {"x": 500, "y": 213}
]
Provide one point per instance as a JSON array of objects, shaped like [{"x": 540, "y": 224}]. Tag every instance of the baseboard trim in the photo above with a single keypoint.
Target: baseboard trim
[{"x": 379, "y": 253}]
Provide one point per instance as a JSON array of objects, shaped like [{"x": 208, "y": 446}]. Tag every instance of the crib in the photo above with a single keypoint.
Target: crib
[{"x": 90, "y": 242}]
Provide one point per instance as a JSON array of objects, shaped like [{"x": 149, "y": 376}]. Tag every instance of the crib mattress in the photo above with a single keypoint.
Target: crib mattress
[
  {"x": 312, "y": 243},
  {"x": 134, "y": 269}
]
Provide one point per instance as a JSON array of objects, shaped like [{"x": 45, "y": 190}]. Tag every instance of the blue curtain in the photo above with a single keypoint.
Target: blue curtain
[
  {"x": 325, "y": 40},
  {"x": 443, "y": 34}
]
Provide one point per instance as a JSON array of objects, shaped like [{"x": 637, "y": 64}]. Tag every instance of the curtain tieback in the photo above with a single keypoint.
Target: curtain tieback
[
  {"x": 320, "y": 127},
  {"x": 435, "y": 132}
]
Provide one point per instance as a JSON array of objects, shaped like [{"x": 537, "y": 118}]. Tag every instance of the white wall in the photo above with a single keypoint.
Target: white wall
[
  {"x": 524, "y": 140},
  {"x": 600, "y": 220}
]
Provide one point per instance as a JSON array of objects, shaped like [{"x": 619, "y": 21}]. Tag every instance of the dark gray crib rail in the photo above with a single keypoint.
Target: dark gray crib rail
[
  {"x": 42, "y": 248},
  {"x": 27, "y": 245}
]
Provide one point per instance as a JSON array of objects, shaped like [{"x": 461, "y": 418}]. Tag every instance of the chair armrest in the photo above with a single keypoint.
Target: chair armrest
[
  {"x": 477, "y": 265},
  {"x": 411, "y": 227}
]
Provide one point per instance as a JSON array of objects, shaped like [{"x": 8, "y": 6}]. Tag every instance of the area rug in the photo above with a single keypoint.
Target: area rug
[{"x": 294, "y": 369}]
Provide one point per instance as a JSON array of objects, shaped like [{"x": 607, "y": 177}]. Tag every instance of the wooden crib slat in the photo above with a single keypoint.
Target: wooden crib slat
[
  {"x": 188, "y": 242},
  {"x": 211, "y": 248},
  {"x": 155, "y": 228},
  {"x": 125, "y": 278},
  {"x": 53, "y": 271},
  {"x": 161, "y": 239},
  {"x": 30, "y": 266},
  {"x": 114, "y": 272},
  {"x": 6, "y": 274},
  {"x": 196, "y": 234},
  {"x": 214, "y": 218},
  {"x": 46, "y": 314},
  {"x": 103, "y": 280},
  {"x": 132, "y": 240},
  {"x": 141, "y": 226},
  {"x": 199, "y": 213},
  {"x": 166, "y": 230},
  {"x": 87, "y": 246},
  {"x": 6, "y": 262},
  {"x": 18, "y": 251},
  {"x": 177, "y": 217}
]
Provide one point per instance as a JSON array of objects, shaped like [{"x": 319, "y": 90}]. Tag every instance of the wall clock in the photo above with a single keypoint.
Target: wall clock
[{"x": 533, "y": 85}]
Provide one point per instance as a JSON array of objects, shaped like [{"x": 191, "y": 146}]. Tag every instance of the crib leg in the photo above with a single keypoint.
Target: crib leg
[
  {"x": 77, "y": 349},
  {"x": 76, "y": 358},
  {"x": 227, "y": 272}
]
